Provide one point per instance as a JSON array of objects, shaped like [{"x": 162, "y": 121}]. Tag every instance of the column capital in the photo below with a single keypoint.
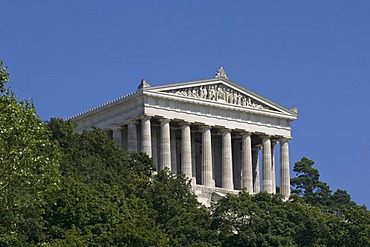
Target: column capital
[
  {"x": 145, "y": 117},
  {"x": 205, "y": 127},
  {"x": 274, "y": 141},
  {"x": 131, "y": 121},
  {"x": 165, "y": 120},
  {"x": 184, "y": 123},
  {"x": 284, "y": 139},
  {"x": 246, "y": 133},
  {"x": 265, "y": 137},
  {"x": 115, "y": 127},
  {"x": 257, "y": 147},
  {"x": 225, "y": 130}
]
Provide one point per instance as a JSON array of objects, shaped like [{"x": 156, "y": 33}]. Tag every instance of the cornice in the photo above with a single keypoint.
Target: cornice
[{"x": 105, "y": 106}]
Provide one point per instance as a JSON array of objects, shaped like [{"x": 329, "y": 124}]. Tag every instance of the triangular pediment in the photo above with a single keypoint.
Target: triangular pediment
[{"x": 221, "y": 91}]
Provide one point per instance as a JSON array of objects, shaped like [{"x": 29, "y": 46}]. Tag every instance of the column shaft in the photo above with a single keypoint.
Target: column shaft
[
  {"x": 131, "y": 137},
  {"x": 256, "y": 170},
  {"x": 193, "y": 160},
  {"x": 237, "y": 163},
  {"x": 173, "y": 151},
  {"x": 146, "y": 136},
  {"x": 273, "y": 175},
  {"x": 165, "y": 144},
  {"x": 284, "y": 168},
  {"x": 117, "y": 136},
  {"x": 266, "y": 165},
  {"x": 124, "y": 137},
  {"x": 227, "y": 161},
  {"x": 186, "y": 151},
  {"x": 247, "y": 167},
  {"x": 207, "y": 164},
  {"x": 155, "y": 146}
]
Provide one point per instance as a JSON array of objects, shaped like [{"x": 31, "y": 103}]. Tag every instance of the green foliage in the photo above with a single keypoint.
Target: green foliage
[
  {"x": 60, "y": 188},
  {"x": 179, "y": 214},
  {"x": 102, "y": 197},
  {"x": 110, "y": 196},
  {"x": 245, "y": 220},
  {"x": 350, "y": 228},
  {"x": 29, "y": 169},
  {"x": 339, "y": 199},
  {"x": 317, "y": 193},
  {"x": 307, "y": 183},
  {"x": 4, "y": 76},
  {"x": 267, "y": 220}
]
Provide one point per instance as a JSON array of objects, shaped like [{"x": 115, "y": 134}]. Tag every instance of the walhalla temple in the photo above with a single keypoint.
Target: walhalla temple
[{"x": 217, "y": 133}]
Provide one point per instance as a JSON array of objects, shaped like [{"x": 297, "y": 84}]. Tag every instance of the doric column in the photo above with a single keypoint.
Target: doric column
[
  {"x": 266, "y": 165},
  {"x": 256, "y": 169},
  {"x": 117, "y": 136},
  {"x": 173, "y": 151},
  {"x": 155, "y": 146},
  {"x": 227, "y": 161},
  {"x": 146, "y": 136},
  {"x": 207, "y": 165},
  {"x": 186, "y": 151},
  {"x": 124, "y": 137},
  {"x": 165, "y": 144},
  {"x": 236, "y": 144},
  {"x": 247, "y": 167},
  {"x": 193, "y": 160},
  {"x": 131, "y": 136},
  {"x": 284, "y": 168},
  {"x": 273, "y": 174}
]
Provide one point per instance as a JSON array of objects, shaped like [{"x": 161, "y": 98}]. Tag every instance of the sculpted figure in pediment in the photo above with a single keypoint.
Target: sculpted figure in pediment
[
  {"x": 195, "y": 93},
  {"x": 220, "y": 94}
]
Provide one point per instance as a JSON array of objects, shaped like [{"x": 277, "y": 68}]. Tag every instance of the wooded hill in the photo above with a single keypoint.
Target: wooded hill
[{"x": 59, "y": 188}]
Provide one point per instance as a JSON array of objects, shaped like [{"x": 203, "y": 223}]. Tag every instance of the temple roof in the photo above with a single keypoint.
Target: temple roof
[{"x": 218, "y": 90}]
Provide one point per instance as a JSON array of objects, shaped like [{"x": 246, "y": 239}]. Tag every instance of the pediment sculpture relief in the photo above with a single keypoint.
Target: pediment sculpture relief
[{"x": 220, "y": 93}]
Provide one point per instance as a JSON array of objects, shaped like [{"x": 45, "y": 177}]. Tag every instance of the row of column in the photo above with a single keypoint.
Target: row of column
[{"x": 249, "y": 161}]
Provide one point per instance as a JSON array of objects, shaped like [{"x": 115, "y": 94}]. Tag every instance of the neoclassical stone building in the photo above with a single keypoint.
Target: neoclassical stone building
[{"x": 219, "y": 134}]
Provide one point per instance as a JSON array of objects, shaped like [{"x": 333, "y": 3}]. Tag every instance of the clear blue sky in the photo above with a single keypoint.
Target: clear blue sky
[{"x": 70, "y": 56}]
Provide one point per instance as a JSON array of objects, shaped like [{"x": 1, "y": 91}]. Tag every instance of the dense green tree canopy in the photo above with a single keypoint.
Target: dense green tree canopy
[
  {"x": 29, "y": 167},
  {"x": 60, "y": 188},
  {"x": 267, "y": 220},
  {"x": 110, "y": 196},
  {"x": 179, "y": 213}
]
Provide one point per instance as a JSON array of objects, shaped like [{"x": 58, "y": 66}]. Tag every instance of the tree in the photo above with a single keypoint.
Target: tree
[
  {"x": 103, "y": 193},
  {"x": 179, "y": 214},
  {"x": 4, "y": 76},
  {"x": 308, "y": 185},
  {"x": 266, "y": 220},
  {"x": 29, "y": 168},
  {"x": 339, "y": 199}
]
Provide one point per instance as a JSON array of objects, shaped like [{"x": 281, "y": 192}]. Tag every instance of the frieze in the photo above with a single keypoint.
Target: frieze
[{"x": 220, "y": 93}]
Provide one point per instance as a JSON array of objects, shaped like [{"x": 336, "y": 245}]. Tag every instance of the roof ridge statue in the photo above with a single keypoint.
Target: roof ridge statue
[
  {"x": 221, "y": 73},
  {"x": 143, "y": 84}
]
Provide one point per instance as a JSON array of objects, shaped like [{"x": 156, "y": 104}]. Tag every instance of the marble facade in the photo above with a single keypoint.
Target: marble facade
[{"x": 217, "y": 133}]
